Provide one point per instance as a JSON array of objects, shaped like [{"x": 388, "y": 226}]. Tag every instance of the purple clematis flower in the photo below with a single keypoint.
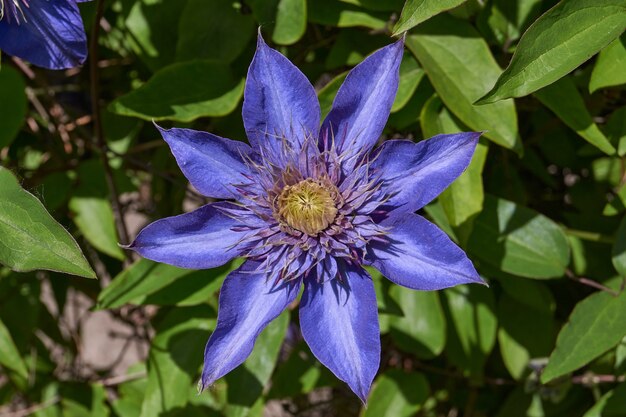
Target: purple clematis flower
[
  {"x": 311, "y": 206},
  {"x": 46, "y": 33}
]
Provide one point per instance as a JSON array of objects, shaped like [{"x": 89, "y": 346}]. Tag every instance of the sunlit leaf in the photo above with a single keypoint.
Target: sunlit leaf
[
  {"x": 595, "y": 326},
  {"x": 327, "y": 94},
  {"x": 183, "y": 92},
  {"x": 619, "y": 249},
  {"x": 460, "y": 66},
  {"x": 559, "y": 41},
  {"x": 153, "y": 30},
  {"x": 9, "y": 355},
  {"x": 147, "y": 282},
  {"x": 417, "y": 11},
  {"x": 519, "y": 240},
  {"x": 610, "y": 67},
  {"x": 94, "y": 217},
  {"x": 410, "y": 76},
  {"x": 612, "y": 404},
  {"x": 333, "y": 13},
  {"x": 397, "y": 394},
  {"x": 421, "y": 329},
  {"x": 472, "y": 333},
  {"x": 31, "y": 238},
  {"x": 290, "y": 21},
  {"x": 246, "y": 383},
  {"x": 565, "y": 101},
  {"x": 463, "y": 199},
  {"x": 175, "y": 358}
]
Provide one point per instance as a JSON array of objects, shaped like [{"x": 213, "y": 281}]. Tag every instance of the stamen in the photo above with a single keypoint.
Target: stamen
[
  {"x": 308, "y": 206},
  {"x": 12, "y": 10},
  {"x": 313, "y": 209}
]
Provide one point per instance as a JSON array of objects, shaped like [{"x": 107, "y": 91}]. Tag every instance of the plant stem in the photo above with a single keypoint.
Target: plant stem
[
  {"x": 590, "y": 236},
  {"x": 97, "y": 122},
  {"x": 590, "y": 283}
]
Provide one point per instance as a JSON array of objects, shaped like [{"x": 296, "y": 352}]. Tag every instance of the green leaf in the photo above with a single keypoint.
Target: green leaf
[
  {"x": 507, "y": 19},
  {"x": 555, "y": 44},
  {"x": 519, "y": 241},
  {"x": 532, "y": 295},
  {"x": 387, "y": 305},
  {"x": 596, "y": 325},
  {"x": 525, "y": 332},
  {"x": 246, "y": 383},
  {"x": 378, "y": 5},
  {"x": 131, "y": 393},
  {"x": 290, "y": 21},
  {"x": 10, "y": 357},
  {"x": 565, "y": 101},
  {"x": 616, "y": 130},
  {"x": 617, "y": 205},
  {"x": 120, "y": 132},
  {"x": 14, "y": 104},
  {"x": 438, "y": 216},
  {"x": 619, "y": 249},
  {"x": 422, "y": 328},
  {"x": 435, "y": 118},
  {"x": 31, "y": 238},
  {"x": 472, "y": 333},
  {"x": 92, "y": 212},
  {"x": 410, "y": 76},
  {"x": 610, "y": 67},
  {"x": 175, "y": 358},
  {"x": 620, "y": 357},
  {"x": 83, "y": 400},
  {"x": 94, "y": 218},
  {"x": 55, "y": 190},
  {"x": 396, "y": 394},
  {"x": 460, "y": 66},
  {"x": 299, "y": 374},
  {"x": 327, "y": 94},
  {"x": 183, "y": 92},
  {"x": 612, "y": 404},
  {"x": 351, "y": 46},
  {"x": 521, "y": 403},
  {"x": 409, "y": 115},
  {"x": 463, "y": 199},
  {"x": 334, "y": 13},
  {"x": 152, "y": 27},
  {"x": 50, "y": 393},
  {"x": 415, "y": 12},
  {"x": 205, "y": 31},
  {"x": 147, "y": 282}
]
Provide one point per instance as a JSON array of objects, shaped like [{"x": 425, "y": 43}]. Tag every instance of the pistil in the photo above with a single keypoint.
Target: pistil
[{"x": 308, "y": 206}]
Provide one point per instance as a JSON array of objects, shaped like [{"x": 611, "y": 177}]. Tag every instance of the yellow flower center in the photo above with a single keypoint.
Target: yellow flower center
[{"x": 308, "y": 206}]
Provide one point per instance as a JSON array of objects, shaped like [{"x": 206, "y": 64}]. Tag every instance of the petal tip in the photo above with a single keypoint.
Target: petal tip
[
  {"x": 260, "y": 41},
  {"x": 131, "y": 246},
  {"x": 362, "y": 392},
  {"x": 123, "y": 246},
  {"x": 205, "y": 383},
  {"x": 159, "y": 128},
  {"x": 401, "y": 40},
  {"x": 200, "y": 387}
]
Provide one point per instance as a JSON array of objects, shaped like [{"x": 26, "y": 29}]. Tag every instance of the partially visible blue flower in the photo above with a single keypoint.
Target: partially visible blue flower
[
  {"x": 311, "y": 206},
  {"x": 46, "y": 33}
]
